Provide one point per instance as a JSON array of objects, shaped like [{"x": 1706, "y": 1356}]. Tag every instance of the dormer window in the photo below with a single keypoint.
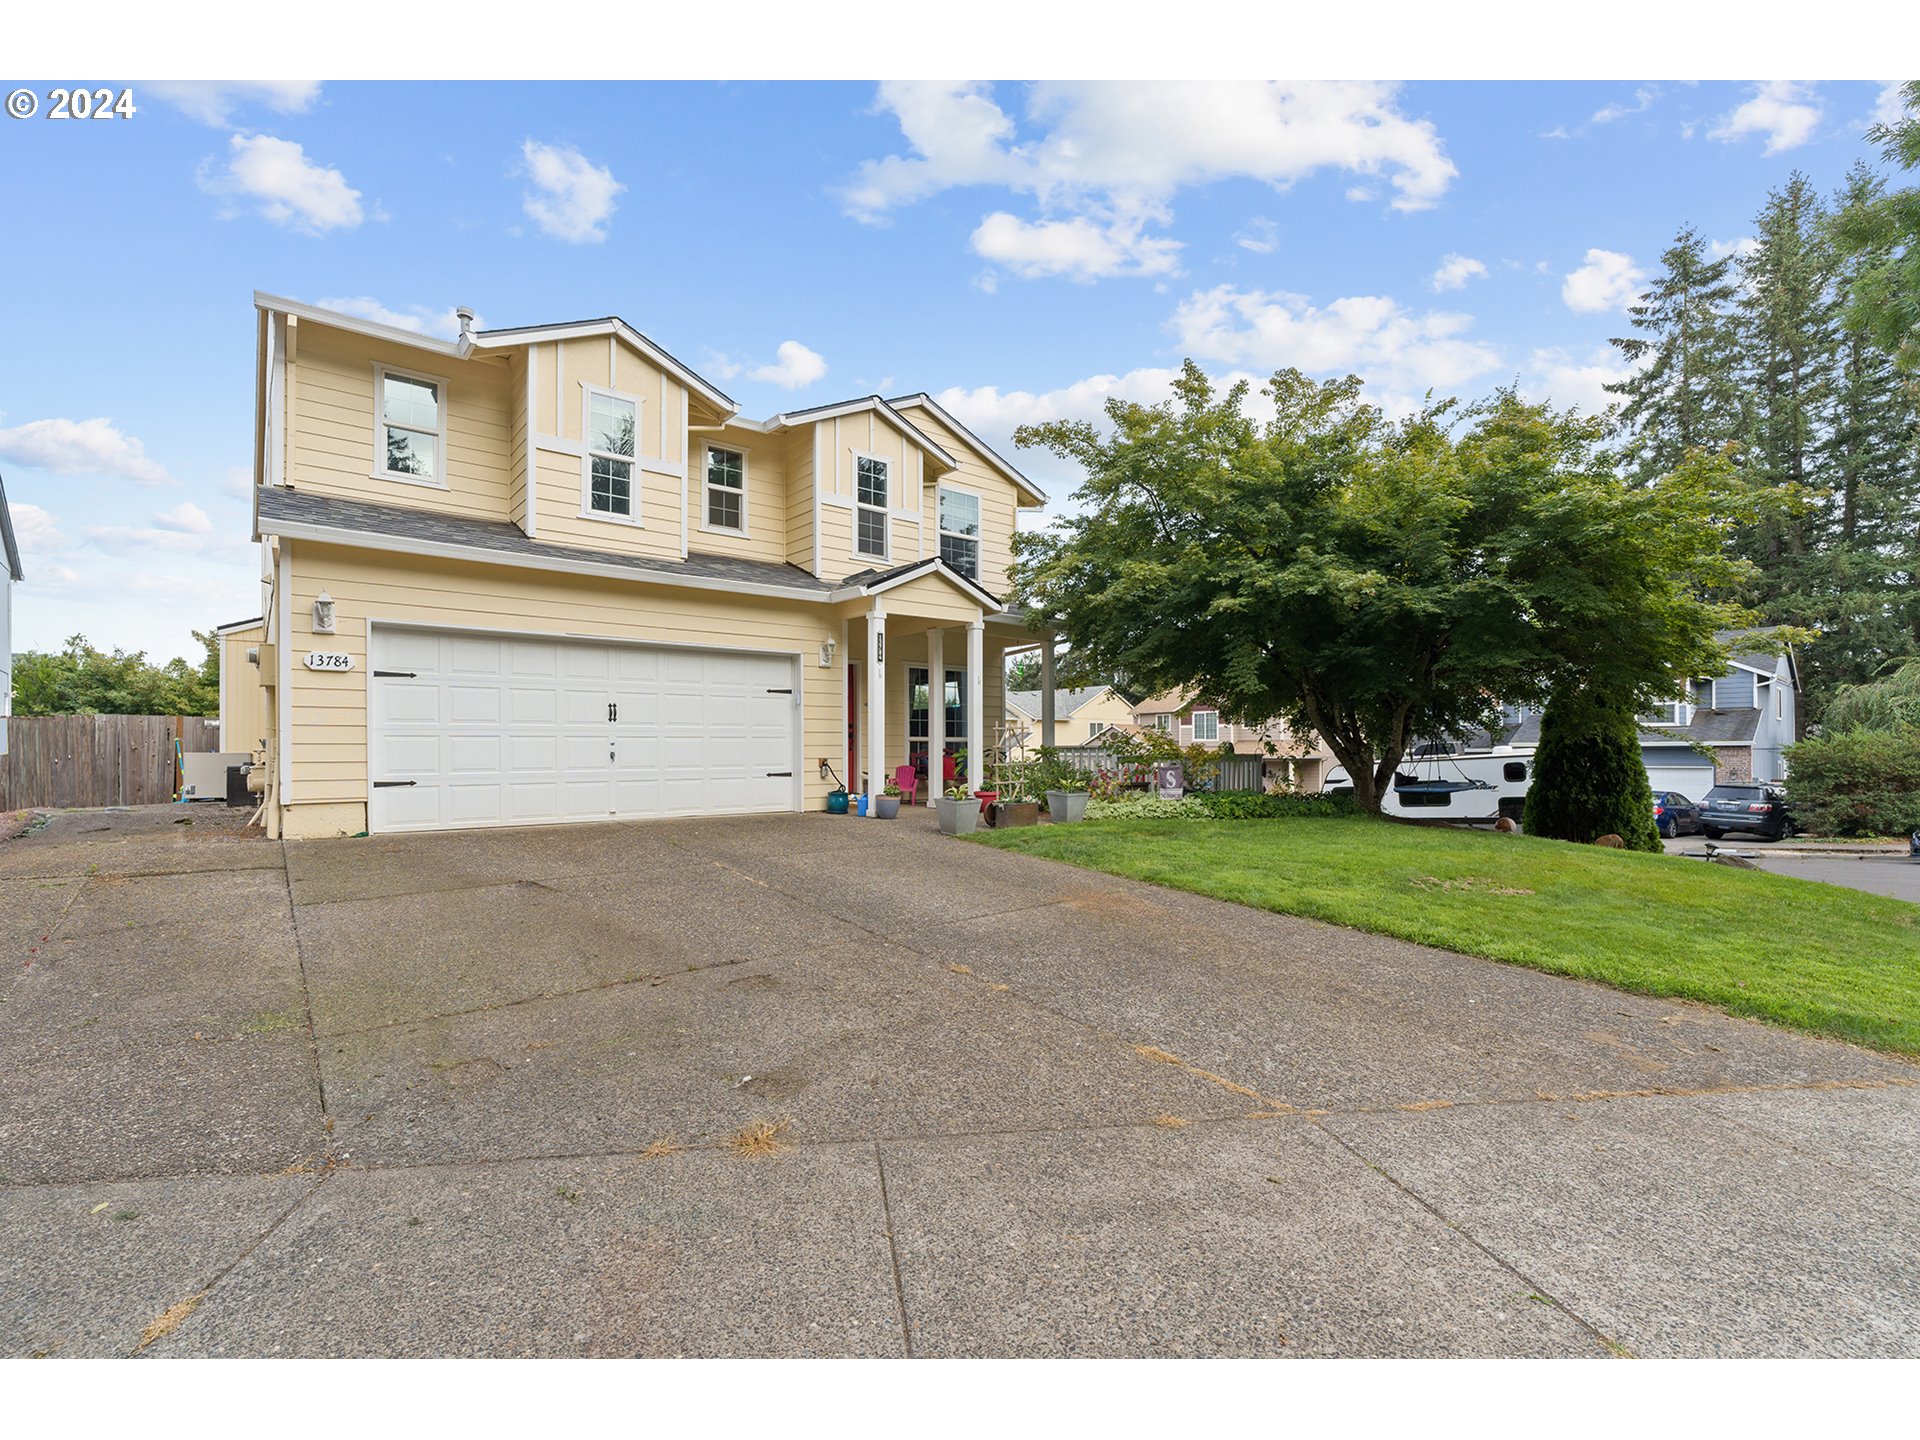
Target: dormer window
[
  {"x": 871, "y": 477},
  {"x": 726, "y": 490},
  {"x": 612, "y": 427},
  {"x": 960, "y": 531},
  {"x": 411, "y": 433}
]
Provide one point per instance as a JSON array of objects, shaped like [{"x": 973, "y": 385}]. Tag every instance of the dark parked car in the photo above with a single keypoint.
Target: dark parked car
[
  {"x": 1747, "y": 810},
  {"x": 1675, "y": 815}
]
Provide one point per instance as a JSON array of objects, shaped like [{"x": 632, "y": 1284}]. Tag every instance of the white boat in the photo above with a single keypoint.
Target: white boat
[{"x": 1466, "y": 785}]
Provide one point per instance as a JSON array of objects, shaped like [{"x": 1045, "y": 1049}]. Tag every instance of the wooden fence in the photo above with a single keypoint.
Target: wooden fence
[
  {"x": 1236, "y": 772},
  {"x": 72, "y": 761}
]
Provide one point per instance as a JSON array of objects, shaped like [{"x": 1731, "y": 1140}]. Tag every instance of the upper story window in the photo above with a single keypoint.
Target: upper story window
[
  {"x": 613, "y": 422},
  {"x": 871, "y": 477},
  {"x": 1206, "y": 725},
  {"x": 1163, "y": 723},
  {"x": 726, "y": 489},
  {"x": 1667, "y": 712},
  {"x": 960, "y": 531},
  {"x": 411, "y": 435}
]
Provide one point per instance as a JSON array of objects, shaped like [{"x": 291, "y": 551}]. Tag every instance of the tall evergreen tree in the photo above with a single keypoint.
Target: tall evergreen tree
[{"x": 1682, "y": 394}]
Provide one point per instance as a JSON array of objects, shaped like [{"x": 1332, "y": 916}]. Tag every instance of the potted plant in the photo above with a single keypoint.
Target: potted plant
[
  {"x": 887, "y": 802},
  {"x": 959, "y": 812},
  {"x": 1067, "y": 806},
  {"x": 1019, "y": 800}
]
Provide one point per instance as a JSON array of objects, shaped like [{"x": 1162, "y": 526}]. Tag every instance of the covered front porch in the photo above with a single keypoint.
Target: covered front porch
[{"x": 924, "y": 678}]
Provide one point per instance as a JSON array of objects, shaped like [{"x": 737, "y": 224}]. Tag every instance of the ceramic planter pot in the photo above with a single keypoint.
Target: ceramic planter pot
[
  {"x": 958, "y": 817},
  {"x": 1010, "y": 813},
  {"x": 886, "y": 806},
  {"x": 1066, "y": 806}
]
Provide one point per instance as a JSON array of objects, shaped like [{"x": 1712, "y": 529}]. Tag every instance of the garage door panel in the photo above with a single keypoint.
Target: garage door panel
[{"x": 501, "y": 730}]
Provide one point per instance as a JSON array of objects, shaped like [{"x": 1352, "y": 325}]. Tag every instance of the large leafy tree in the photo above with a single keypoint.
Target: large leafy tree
[
  {"x": 1374, "y": 580},
  {"x": 82, "y": 680},
  {"x": 1884, "y": 302}
]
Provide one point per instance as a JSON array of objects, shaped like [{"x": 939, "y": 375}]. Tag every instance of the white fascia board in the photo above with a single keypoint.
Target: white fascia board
[
  {"x": 932, "y": 565},
  {"x": 927, "y": 402},
  {"x": 870, "y": 404},
  {"x": 513, "y": 339},
  {"x": 280, "y": 305},
  {"x": 480, "y": 554}
]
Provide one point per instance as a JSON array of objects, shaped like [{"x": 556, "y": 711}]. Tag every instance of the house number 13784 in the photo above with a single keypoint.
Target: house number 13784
[{"x": 328, "y": 660}]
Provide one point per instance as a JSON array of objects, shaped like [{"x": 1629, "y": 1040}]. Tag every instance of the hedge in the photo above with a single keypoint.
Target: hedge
[
  {"x": 1859, "y": 782},
  {"x": 1231, "y": 805}
]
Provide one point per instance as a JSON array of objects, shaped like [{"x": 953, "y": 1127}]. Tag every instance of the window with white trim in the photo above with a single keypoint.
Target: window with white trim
[
  {"x": 1206, "y": 725},
  {"x": 960, "y": 531},
  {"x": 726, "y": 489},
  {"x": 1667, "y": 712},
  {"x": 413, "y": 427},
  {"x": 613, "y": 422},
  {"x": 1096, "y": 727},
  {"x": 870, "y": 506}
]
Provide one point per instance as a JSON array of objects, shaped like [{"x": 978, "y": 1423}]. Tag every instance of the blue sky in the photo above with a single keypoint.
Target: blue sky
[{"x": 1019, "y": 251}]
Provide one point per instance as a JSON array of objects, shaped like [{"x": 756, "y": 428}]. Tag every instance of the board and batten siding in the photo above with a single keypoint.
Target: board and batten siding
[
  {"x": 844, "y": 439},
  {"x": 329, "y": 709},
  {"x": 332, "y": 438},
  {"x": 999, "y": 501}
]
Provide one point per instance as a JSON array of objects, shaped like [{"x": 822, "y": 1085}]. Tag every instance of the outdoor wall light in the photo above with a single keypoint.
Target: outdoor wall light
[
  {"x": 323, "y": 614},
  {"x": 826, "y": 651}
]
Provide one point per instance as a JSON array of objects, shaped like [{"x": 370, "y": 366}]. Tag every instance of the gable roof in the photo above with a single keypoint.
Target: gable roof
[
  {"x": 814, "y": 414},
  {"x": 7, "y": 543},
  {"x": 1065, "y": 702},
  {"x": 1748, "y": 656},
  {"x": 503, "y": 339},
  {"x": 874, "y": 582},
  {"x": 992, "y": 457}
]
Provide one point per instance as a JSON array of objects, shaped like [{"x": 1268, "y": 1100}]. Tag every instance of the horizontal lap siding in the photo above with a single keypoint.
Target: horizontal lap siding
[
  {"x": 243, "y": 713},
  {"x": 518, "y": 422},
  {"x": 332, "y": 436},
  {"x": 999, "y": 501},
  {"x": 766, "y": 503},
  {"x": 329, "y": 709},
  {"x": 800, "y": 481}
]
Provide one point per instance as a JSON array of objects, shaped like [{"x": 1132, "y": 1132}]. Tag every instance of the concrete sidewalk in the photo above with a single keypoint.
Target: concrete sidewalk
[{"x": 496, "y": 1093}]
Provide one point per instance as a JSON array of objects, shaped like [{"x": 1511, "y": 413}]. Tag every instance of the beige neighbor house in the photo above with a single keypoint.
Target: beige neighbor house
[
  {"x": 550, "y": 574},
  {"x": 1080, "y": 715},
  {"x": 1300, "y": 763}
]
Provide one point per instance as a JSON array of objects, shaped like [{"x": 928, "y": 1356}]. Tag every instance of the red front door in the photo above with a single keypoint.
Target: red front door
[{"x": 853, "y": 727}]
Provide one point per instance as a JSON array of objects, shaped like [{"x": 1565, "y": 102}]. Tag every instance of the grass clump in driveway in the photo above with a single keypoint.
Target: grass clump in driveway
[{"x": 1795, "y": 952}]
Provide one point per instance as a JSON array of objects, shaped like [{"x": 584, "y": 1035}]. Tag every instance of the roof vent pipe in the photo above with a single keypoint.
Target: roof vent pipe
[{"x": 465, "y": 316}]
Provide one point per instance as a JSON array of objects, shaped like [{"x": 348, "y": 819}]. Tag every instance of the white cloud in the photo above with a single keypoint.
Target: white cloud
[
  {"x": 1566, "y": 379},
  {"x": 288, "y": 188},
  {"x": 81, "y": 447},
  {"x": 1104, "y": 159},
  {"x": 420, "y": 319},
  {"x": 1743, "y": 247},
  {"x": 719, "y": 366},
  {"x": 1372, "y": 336},
  {"x": 1359, "y": 194},
  {"x": 237, "y": 481},
  {"x": 35, "y": 528},
  {"x": 213, "y": 102},
  {"x": 1643, "y": 98},
  {"x": 1261, "y": 236},
  {"x": 186, "y": 517},
  {"x": 1080, "y": 248},
  {"x": 1455, "y": 271},
  {"x": 1786, "y": 112},
  {"x": 796, "y": 368},
  {"x": 572, "y": 198},
  {"x": 1608, "y": 281},
  {"x": 1889, "y": 105}
]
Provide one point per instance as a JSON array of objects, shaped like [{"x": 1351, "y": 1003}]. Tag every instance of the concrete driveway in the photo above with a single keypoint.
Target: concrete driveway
[{"x": 809, "y": 1085}]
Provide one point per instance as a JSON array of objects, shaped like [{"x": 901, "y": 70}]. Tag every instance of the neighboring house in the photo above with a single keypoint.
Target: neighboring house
[
  {"x": 13, "y": 574},
  {"x": 243, "y": 711},
  {"x": 551, "y": 574},
  {"x": 1079, "y": 716},
  {"x": 1301, "y": 762},
  {"x": 1743, "y": 720}
]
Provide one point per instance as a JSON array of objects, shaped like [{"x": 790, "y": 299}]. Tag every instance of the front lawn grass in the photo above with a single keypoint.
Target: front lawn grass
[{"x": 1795, "y": 952}]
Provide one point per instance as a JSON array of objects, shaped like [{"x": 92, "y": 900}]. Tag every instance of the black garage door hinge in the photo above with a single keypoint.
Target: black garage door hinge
[
  {"x": 779, "y": 692},
  {"x": 394, "y": 675},
  {"x": 779, "y": 774},
  {"x": 391, "y": 784}
]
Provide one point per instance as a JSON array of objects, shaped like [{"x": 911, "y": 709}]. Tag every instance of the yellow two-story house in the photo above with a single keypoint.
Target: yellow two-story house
[{"x": 551, "y": 574}]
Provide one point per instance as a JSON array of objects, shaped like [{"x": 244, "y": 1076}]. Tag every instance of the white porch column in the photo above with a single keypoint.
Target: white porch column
[
  {"x": 936, "y": 714},
  {"x": 874, "y": 735},
  {"x": 976, "y": 704},
  {"x": 1046, "y": 693}
]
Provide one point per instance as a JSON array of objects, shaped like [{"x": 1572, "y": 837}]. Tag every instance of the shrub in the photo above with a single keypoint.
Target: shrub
[
  {"x": 1859, "y": 782},
  {"x": 1147, "y": 807},
  {"x": 1234, "y": 805},
  {"x": 1589, "y": 779}
]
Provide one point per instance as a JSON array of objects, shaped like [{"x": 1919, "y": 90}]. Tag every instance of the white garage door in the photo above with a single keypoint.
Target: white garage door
[
  {"x": 473, "y": 729},
  {"x": 1692, "y": 781}
]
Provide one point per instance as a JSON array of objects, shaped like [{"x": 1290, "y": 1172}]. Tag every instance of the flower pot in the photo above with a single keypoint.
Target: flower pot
[
  {"x": 836, "y": 802},
  {"x": 957, "y": 817},
  {"x": 886, "y": 806},
  {"x": 989, "y": 806},
  {"x": 1016, "y": 812},
  {"x": 1066, "y": 806}
]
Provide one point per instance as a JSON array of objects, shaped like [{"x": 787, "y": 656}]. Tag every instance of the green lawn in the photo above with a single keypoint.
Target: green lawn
[{"x": 1795, "y": 952}]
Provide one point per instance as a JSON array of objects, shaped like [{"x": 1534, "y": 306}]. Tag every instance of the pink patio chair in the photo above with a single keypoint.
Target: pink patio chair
[{"x": 908, "y": 779}]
